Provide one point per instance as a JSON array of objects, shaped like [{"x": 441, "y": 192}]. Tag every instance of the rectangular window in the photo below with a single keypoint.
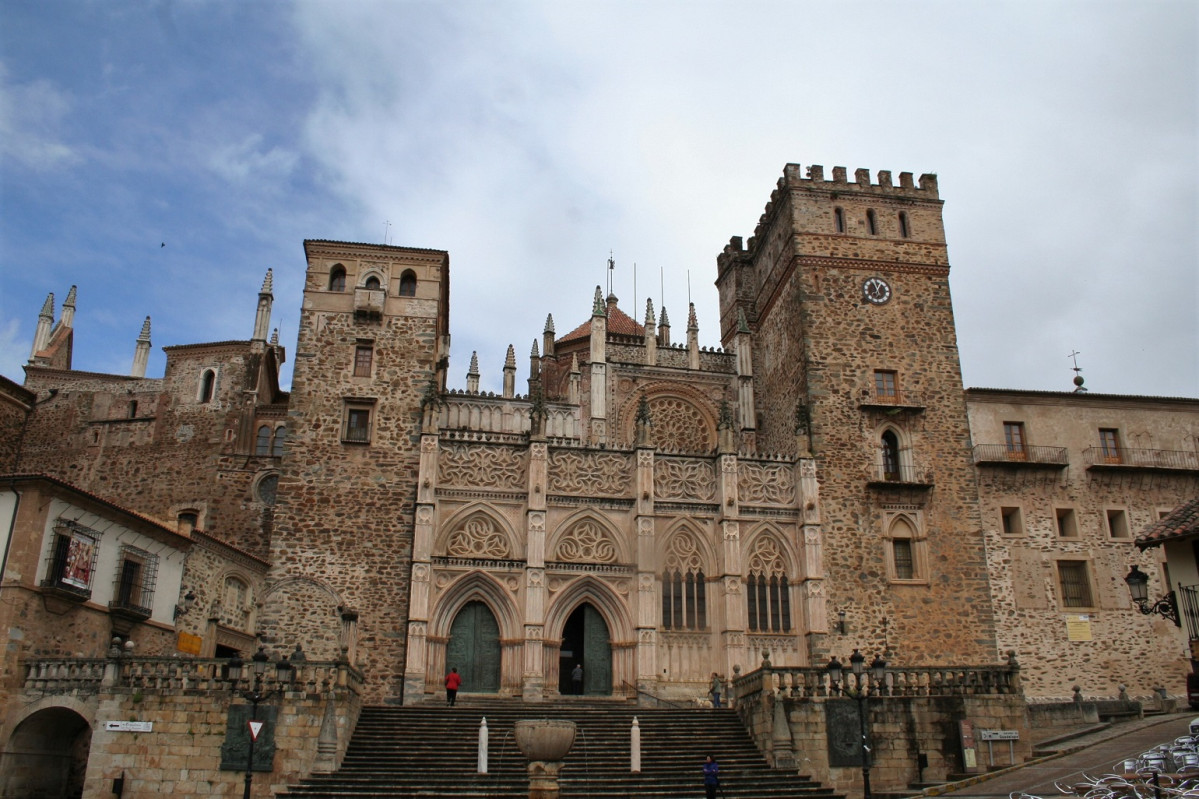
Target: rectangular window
[
  {"x": 886, "y": 384},
  {"x": 1117, "y": 523},
  {"x": 1013, "y": 439},
  {"x": 905, "y": 568},
  {"x": 1013, "y": 521},
  {"x": 1109, "y": 443},
  {"x": 72, "y": 561},
  {"x": 1067, "y": 525},
  {"x": 136, "y": 574},
  {"x": 364, "y": 356},
  {"x": 1075, "y": 584}
]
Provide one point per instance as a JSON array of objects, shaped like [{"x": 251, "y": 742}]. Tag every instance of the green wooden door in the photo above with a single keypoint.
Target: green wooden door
[
  {"x": 474, "y": 649},
  {"x": 597, "y": 653}
]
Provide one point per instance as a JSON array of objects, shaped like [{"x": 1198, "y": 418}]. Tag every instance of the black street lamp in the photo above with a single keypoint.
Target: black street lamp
[
  {"x": 862, "y": 693},
  {"x": 284, "y": 675},
  {"x": 1138, "y": 587}
]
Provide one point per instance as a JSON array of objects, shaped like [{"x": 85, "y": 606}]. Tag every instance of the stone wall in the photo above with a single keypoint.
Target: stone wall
[{"x": 15, "y": 405}]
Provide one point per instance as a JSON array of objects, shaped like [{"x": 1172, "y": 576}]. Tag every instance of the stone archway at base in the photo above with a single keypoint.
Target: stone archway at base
[
  {"x": 46, "y": 757},
  {"x": 586, "y": 642}
]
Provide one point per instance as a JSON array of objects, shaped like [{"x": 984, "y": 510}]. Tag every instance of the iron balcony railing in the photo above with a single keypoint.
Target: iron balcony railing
[
  {"x": 901, "y": 474},
  {"x": 1133, "y": 458},
  {"x": 1018, "y": 456}
]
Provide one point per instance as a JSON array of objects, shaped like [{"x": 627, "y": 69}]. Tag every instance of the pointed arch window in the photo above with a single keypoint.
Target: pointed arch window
[
  {"x": 891, "y": 462},
  {"x": 278, "y": 440},
  {"x": 337, "y": 278},
  {"x": 684, "y": 588},
  {"x": 767, "y": 592},
  {"x": 408, "y": 284},
  {"x": 262, "y": 443}
]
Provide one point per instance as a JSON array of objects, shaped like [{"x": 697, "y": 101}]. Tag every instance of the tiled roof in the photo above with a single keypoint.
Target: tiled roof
[
  {"x": 1182, "y": 522},
  {"x": 619, "y": 323}
]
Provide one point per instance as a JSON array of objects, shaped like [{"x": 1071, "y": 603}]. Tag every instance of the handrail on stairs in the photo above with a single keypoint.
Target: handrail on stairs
[{"x": 642, "y": 692}]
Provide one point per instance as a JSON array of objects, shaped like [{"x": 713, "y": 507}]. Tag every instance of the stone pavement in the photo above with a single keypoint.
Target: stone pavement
[{"x": 1095, "y": 753}]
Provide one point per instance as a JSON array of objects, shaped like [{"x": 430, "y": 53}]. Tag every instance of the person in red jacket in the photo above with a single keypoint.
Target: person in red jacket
[{"x": 452, "y": 681}]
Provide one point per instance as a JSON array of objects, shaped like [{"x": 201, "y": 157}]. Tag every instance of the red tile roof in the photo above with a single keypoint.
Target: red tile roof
[
  {"x": 619, "y": 323},
  {"x": 1182, "y": 522}
]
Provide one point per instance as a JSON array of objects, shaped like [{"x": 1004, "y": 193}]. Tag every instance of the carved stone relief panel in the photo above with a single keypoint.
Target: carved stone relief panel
[
  {"x": 586, "y": 542},
  {"x": 766, "y": 484},
  {"x": 590, "y": 473},
  {"x": 684, "y": 478},
  {"x": 468, "y": 466},
  {"x": 478, "y": 537}
]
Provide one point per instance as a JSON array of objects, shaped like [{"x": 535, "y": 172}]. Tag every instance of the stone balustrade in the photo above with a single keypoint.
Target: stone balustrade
[
  {"x": 170, "y": 674},
  {"x": 813, "y": 682}
]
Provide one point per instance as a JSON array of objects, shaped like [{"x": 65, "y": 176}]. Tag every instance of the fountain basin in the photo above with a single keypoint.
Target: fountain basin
[{"x": 545, "y": 739}]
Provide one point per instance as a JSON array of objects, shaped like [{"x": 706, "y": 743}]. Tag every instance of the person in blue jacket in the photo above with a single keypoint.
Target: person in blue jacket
[{"x": 711, "y": 778}]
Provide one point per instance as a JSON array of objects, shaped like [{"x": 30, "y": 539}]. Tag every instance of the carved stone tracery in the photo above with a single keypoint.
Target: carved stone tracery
[
  {"x": 478, "y": 537},
  {"x": 684, "y": 478},
  {"x": 465, "y": 466},
  {"x": 589, "y": 473},
  {"x": 772, "y": 484},
  {"x": 586, "y": 542}
]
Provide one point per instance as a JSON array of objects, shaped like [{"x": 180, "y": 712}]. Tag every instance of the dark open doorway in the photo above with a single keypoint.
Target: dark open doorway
[{"x": 585, "y": 642}]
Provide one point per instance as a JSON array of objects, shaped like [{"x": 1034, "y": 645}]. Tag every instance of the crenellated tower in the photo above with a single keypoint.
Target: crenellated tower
[{"x": 844, "y": 291}]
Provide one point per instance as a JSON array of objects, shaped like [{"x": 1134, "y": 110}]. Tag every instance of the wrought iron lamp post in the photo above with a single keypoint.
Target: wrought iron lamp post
[
  {"x": 284, "y": 674},
  {"x": 1138, "y": 587},
  {"x": 861, "y": 693}
]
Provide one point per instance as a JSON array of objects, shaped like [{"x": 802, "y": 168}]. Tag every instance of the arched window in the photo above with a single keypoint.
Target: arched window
[
  {"x": 905, "y": 558},
  {"x": 903, "y": 225},
  {"x": 372, "y": 283},
  {"x": 277, "y": 444},
  {"x": 839, "y": 220},
  {"x": 337, "y": 278},
  {"x": 262, "y": 445},
  {"x": 871, "y": 227},
  {"x": 684, "y": 589},
  {"x": 207, "y": 385},
  {"x": 408, "y": 284},
  {"x": 767, "y": 593},
  {"x": 891, "y": 463}
]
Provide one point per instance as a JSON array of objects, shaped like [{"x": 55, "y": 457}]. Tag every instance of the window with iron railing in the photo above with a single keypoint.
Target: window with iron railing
[
  {"x": 137, "y": 572},
  {"x": 1075, "y": 584}
]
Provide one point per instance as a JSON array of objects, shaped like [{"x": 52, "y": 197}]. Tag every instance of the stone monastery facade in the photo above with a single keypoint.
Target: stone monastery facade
[{"x": 647, "y": 508}]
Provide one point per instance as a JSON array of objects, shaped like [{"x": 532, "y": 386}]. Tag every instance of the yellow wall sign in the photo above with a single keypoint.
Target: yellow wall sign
[
  {"x": 1078, "y": 627},
  {"x": 189, "y": 644}
]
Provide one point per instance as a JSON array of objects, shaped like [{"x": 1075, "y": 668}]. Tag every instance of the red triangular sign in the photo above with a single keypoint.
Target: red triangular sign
[{"x": 255, "y": 728}]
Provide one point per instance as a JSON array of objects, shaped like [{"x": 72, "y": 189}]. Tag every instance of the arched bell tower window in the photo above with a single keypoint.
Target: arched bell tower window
[
  {"x": 408, "y": 284},
  {"x": 904, "y": 232},
  {"x": 262, "y": 444},
  {"x": 871, "y": 226},
  {"x": 207, "y": 385},
  {"x": 891, "y": 462},
  {"x": 337, "y": 278}
]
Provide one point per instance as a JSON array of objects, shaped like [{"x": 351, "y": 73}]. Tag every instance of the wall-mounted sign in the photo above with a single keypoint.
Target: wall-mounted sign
[
  {"x": 129, "y": 726},
  {"x": 189, "y": 644},
  {"x": 999, "y": 735},
  {"x": 1078, "y": 627}
]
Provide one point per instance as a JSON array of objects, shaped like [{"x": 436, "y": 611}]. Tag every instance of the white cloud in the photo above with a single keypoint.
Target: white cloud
[
  {"x": 31, "y": 115},
  {"x": 246, "y": 161}
]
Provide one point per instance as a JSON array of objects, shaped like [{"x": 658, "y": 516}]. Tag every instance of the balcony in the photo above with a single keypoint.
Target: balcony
[
  {"x": 368, "y": 304},
  {"x": 1152, "y": 460},
  {"x": 1188, "y": 611},
  {"x": 905, "y": 476},
  {"x": 897, "y": 402},
  {"x": 1034, "y": 457}
]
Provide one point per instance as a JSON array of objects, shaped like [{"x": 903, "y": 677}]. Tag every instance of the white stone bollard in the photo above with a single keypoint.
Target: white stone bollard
[
  {"x": 483, "y": 746},
  {"x": 635, "y": 747}
]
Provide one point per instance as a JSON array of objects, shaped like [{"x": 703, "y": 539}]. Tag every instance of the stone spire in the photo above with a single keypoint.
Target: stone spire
[
  {"x": 743, "y": 342},
  {"x": 510, "y": 372},
  {"x": 262, "y": 319},
  {"x": 547, "y": 338},
  {"x": 534, "y": 364},
  {"x": 664, "y": 329},
  {"x": 68, "y": 310},
  {"x": 141, "y": 352},
  {"x": 576, "y": 378},
  {"x": 45, "y": 319},
  {"x": 651, "y": 334},
  {"x": 692, "y": 338},
  {"x": 472, "y": 374}
]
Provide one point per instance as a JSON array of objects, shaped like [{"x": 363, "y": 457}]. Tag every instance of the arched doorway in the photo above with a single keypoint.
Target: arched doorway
[
  {"x": 474, "y": 649},
  {"x": 46, "y": 756},
  {"x": 586, "y": 642}
]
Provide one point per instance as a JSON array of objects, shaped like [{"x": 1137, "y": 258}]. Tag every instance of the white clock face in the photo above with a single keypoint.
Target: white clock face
[{"x": 875, "y": 290}]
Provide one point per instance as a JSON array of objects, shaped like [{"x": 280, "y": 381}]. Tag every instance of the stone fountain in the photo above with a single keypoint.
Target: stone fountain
[{"x": 544, "y": 742}]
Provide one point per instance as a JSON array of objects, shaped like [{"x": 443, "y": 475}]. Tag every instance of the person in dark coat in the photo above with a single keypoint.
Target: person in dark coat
[
  {"x": 711, "y": 776},
  {"x": 576, "y": 679}
]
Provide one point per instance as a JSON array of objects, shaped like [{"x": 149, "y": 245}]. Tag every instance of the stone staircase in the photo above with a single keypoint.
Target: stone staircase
[{"x": 432, "y": 750}]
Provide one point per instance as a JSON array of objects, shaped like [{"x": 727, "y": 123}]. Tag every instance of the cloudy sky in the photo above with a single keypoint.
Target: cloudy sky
[{"x": 531, "y": 139}]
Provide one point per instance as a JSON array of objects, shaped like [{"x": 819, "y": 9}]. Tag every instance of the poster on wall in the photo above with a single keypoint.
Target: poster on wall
[{"x": 77, "y": 569}]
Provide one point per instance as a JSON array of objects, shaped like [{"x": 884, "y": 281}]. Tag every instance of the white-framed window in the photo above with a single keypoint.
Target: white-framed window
[
  {"x": 137, "y": 572},
  {"x": 71, "y": 562}
]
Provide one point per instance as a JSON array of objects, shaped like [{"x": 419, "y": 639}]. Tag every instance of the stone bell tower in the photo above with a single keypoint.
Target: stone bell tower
[
  {"x": 845, "y": 289},
  {"x": 373, "y": 342}
]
